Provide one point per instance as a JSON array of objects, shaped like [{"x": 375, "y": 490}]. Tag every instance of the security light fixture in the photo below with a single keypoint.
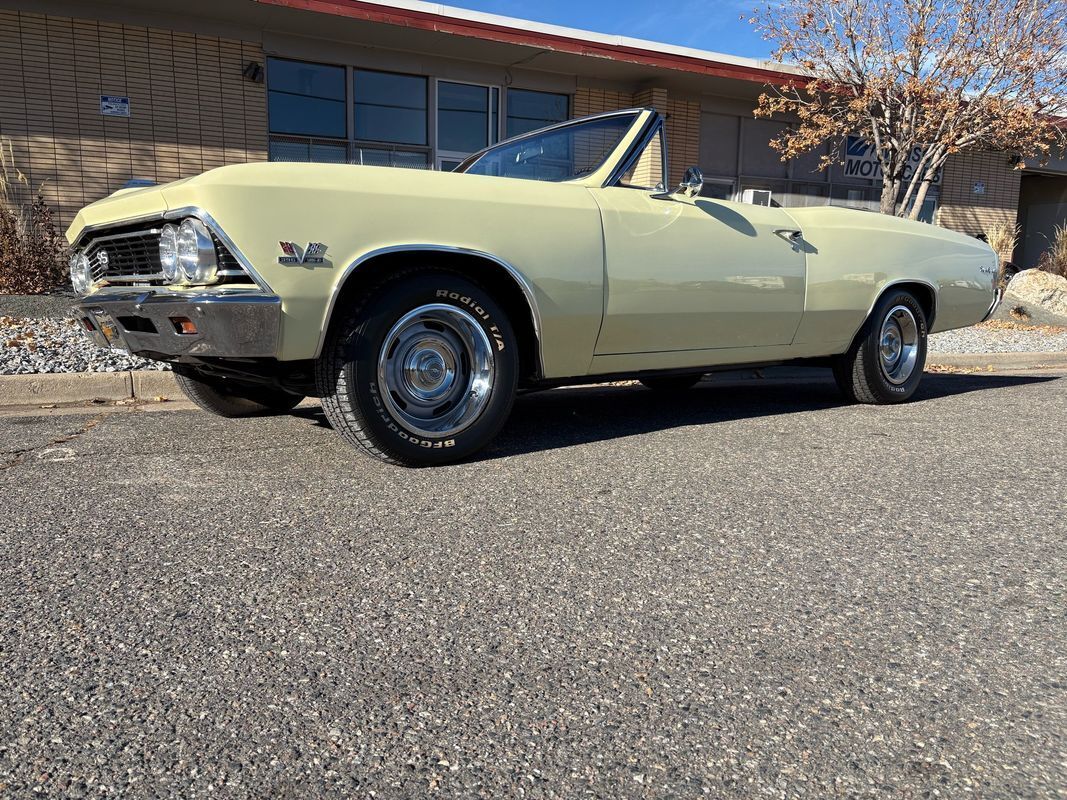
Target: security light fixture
[{"x": 253, "y": 71}]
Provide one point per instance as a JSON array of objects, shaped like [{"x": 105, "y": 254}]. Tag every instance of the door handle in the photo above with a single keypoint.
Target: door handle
[{"x": 794, "y": 237}]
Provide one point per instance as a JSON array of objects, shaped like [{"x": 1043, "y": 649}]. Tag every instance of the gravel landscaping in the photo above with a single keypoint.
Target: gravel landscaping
[
  {"x": 56, "y": 345},
  {"x": 1001, "y": 337}
]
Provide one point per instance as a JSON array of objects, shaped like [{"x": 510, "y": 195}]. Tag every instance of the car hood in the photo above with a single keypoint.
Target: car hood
[
  {"x": 207, "y": 189},
  {"x": 125, "y": 205}
]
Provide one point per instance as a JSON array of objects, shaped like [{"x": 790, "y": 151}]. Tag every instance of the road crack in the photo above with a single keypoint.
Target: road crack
[{"x": 17, "y": 457}]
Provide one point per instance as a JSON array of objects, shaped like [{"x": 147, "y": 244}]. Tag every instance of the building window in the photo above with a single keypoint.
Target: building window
[
  {"x": 462, "y": 117},
  {"x": 855, "y": 196},
  {"x": 390, "y": 108},
  {"x": 306, "y": 99},
  {"x": 304, "y": 148},
  {"x": 529, "y": 110},
  {"x": 468, "y": 120},
  {"x": 799, "y": 195},
  {"x": 336, "y": 114},
  {"x": 379, "y": 156},
  {"x": 718, "y": 189}
]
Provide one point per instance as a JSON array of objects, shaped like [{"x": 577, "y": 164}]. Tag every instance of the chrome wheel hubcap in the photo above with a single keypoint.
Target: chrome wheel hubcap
[
  {"x": 436, "y": 370},
  {"x": 898, "y": 347}
]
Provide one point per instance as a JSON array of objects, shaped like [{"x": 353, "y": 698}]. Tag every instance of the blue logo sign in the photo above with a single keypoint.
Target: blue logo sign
[{"x": 856, "y": 146}]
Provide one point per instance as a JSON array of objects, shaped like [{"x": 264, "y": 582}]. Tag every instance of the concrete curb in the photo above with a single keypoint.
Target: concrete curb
[
  {"x": 998, "y": 360},
  {"x": 150, "y": 385},
  {"x": 84, "y": 387}
]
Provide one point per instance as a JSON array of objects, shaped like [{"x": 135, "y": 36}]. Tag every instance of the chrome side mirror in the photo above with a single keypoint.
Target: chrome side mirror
[{"x": 692, "y": 183}]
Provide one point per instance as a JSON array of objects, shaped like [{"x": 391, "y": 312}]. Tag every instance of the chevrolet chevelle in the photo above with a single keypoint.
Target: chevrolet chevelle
[{"x": 416, "y": 304}]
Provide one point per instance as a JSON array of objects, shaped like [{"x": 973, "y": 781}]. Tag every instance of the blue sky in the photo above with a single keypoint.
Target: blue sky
[{"x": 706, "y": 24}]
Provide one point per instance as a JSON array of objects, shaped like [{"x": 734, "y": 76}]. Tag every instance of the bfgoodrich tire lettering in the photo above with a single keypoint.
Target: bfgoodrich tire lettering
[
  {"x": 885, "y": 363},
  {"x": 422, "y": 371}
]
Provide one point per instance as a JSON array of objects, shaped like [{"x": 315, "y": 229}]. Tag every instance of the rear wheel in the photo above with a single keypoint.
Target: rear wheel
[
  {"x": 885, "y": 363},
  {"x": 671, "y": 383},
  {"x": 226, "y": 399},
  {"x": 422, "y": 372}
]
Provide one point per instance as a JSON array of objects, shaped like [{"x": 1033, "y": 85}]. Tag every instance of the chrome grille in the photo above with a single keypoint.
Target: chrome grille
[
  {"x": 133, "y": 257},
  {"x": 229, "y": 266}
]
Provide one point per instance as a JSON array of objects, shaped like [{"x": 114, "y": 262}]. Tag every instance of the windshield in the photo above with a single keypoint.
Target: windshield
[{"x": 557, "y": 154}]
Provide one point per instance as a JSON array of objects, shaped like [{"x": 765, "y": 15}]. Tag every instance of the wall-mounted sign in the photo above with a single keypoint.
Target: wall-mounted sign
[
  {"x": 979, "y": 187},
  {"x": 861, "y": 161},
  {"x": 114, "y": 106}
]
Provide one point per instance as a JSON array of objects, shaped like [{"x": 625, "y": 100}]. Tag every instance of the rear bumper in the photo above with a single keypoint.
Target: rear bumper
[{"x": 232, "y": 324}]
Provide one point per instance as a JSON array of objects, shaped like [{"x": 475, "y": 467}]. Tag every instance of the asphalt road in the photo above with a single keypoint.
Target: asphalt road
[{"x": 746, "y": 591}]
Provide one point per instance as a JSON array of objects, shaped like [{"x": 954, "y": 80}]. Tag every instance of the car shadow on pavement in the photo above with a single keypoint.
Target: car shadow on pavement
[
  {"x": 581, "y": 415},
  {"x": 556, "y": 418}
]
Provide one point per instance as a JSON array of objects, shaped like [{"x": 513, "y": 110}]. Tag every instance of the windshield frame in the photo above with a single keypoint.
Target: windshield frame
[{"x": 641, "y": 120}]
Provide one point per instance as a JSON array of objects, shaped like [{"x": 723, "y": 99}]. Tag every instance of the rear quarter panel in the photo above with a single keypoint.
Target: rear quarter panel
[
  {"x": 549, "y": 232},
  {"x": 853, "y": 256}
]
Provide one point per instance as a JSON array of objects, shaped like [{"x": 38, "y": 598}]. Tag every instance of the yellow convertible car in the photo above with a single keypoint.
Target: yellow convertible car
[{"x": 416, "y": 304}]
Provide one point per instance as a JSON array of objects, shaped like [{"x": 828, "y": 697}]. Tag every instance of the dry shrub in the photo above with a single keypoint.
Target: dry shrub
[
  {"x": 31, "y": 251},
  {"x": 1054, "y": 259},
  {"x": 1003, "y": 237}
]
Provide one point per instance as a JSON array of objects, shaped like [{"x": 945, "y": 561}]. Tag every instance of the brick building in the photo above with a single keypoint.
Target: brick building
[{"x": 96, "y": 95}]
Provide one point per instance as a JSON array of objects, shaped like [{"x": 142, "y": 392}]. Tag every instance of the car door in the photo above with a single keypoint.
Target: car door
[{"x": 693, "y": 273}]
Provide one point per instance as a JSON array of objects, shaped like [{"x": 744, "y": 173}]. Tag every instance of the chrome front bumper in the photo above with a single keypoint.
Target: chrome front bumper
[{"x": 235, "y": 324}]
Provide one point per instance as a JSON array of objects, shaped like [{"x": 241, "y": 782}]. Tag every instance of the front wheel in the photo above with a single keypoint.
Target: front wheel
[
  {"x": 225, "y": 399},
  {"x": 422, "y": 372},
  {"x": 885, "y": 363}
]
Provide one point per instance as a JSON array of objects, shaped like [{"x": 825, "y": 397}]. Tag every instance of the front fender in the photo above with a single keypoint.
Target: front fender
[{"x": 548, "y": 235}]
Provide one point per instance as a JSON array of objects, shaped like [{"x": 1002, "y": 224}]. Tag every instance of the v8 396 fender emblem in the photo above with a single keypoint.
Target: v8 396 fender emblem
[{"x": 312, "y": 254}]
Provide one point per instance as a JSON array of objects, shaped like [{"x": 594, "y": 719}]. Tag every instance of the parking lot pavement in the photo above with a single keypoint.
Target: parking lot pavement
[{"x": 743, "y": 591}]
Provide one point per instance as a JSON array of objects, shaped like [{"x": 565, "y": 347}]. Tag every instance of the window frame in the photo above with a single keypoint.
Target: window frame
[
  {"x": 634, "y": 112},
  {"x": 635, "y": 153}
]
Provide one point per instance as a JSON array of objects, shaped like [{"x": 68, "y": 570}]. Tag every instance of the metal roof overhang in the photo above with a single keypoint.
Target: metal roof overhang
[
  {"x": 542, "y": 37},
  {"x": 538, "y": 47}
]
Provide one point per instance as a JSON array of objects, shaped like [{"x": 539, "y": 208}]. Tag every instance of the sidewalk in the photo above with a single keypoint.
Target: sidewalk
[{"x": 83, "y": 387}]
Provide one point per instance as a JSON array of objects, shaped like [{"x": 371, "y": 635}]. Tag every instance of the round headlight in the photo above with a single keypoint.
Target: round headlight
[
  {"x": 168, "y": 253},
  {"x": 80, "y": 274},
  {"x": 196, "y": 252}
]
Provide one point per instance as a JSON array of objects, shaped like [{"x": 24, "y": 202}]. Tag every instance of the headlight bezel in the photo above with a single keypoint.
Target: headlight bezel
[
  {"x": 81, "y": 277},
  {"x": 197, "y": 260}
]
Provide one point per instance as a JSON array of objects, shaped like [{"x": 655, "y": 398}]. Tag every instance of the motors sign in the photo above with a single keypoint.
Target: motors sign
[{"x": 861, "y": 161}]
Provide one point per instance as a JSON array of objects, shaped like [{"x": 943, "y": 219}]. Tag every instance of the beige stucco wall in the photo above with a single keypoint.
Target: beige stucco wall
[
  {"x": 961, "y": 209},
  {"x": 53, "y": 70}
]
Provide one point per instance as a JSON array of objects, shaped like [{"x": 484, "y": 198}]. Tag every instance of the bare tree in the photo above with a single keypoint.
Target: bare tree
[{"x": 922, "y": 79}]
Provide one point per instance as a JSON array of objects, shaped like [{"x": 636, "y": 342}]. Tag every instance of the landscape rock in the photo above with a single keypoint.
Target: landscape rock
[{"x": 1037, "y": 288}]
